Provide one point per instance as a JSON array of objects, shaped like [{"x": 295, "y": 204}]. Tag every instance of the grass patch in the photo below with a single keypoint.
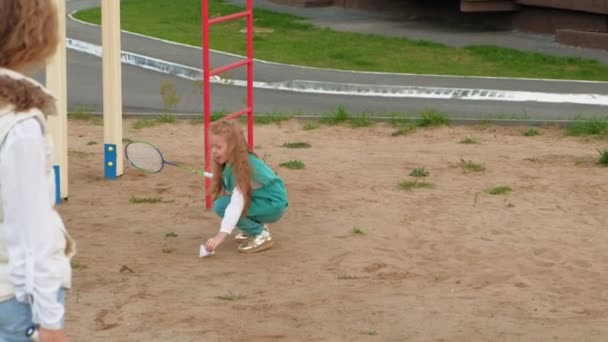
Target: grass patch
[
  {"x": 432, "y": 118},
  {"x": 78, "y": 265},
  {"x": 293, "y": 165},
  {"x": 168, "y": 250},
  {"x": 158, "y": 120},
  {"x": 530, "y": 132},
  {"x": 291, "y": 39},
  {"x": 358, "y": 231},
  {"x": 91, "y": 143},
  {"x": 371, "y": 332},
  {"x": 231, "y": 297},
  {"x": 200, "y": 119},
  {"x": 339, "y": 116},
  {"x": 361, "y": 121},
  {"x": 310, "y": 125},
  {"x": 403, "y": 129},
  {"x": 270, "y": 118},
  {"x": 468, "y": 141},
  {"x": 148, "y": 200},
  {"x": 469, "y": 166},
  {"x": 171, "y": 235},
  {"x": 595, "y": 126},
  {"x": 85, "y": 114},
  {"x": 410, "y": 185},
  {"x": 419, "y": 172},
  {"x": 500, "y": 190},
  {"x": 603, "y": 160},
  {"x": 297, "y": 145}
]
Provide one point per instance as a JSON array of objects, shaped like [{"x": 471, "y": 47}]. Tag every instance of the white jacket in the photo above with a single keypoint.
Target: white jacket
[{"x": 35, "y": 248}]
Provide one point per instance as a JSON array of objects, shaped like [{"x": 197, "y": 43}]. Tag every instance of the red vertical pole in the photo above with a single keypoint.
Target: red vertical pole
[
  {"x": 250, "y": 73},
  {"x": 206, "y": 96}
]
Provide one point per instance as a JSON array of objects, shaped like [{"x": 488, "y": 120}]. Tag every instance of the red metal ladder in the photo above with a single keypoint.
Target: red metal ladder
[{"x": 208, "y": 73}]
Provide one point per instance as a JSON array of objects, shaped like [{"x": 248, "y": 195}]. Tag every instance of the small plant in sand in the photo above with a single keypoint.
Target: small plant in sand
[
  {"x": 403, "y": 129},
  {"x": 419, "y": 172},
  {"x": 358, "y": 231},
  {"x": 158, "y": 120},
  {"x": 150, "y": 200},
  {"x": 595, "y": 126},
  {"x": 293, "y": 165},
  {"x": 171, "y": 235},
  {"x": 168, "y": 250},
  {"x": 370, "y": 332},
  {"x": 269, "y": 118},
  {"x": 432, "y": 117},
  {"x": 410, "y": 185},
  {"x": 169, "y": 96},
  {"x": 530, "y": 132},
  {"x": 339, "y": 116},
  {"x": 469, "y": 141},
  {"x": 499, "y": 190},
  {"x": 469, "y": 166},
  {"x": 78, "y": 265},
  {"x": 361, "y": 121},
  {"x": 603, "y": 160},
  {"x": 84, "y": 113},
  {"x": 231, "y": 297},
  {"x": 310, "y": 125},
  {"x": 298, "y": 145}
]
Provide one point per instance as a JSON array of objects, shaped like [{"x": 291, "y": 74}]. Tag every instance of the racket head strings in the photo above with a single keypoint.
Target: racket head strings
[{"x": 144, "y": 156}]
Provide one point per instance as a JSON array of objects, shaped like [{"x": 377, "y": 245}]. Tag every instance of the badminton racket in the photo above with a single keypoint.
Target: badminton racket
[{"x": 148, "y": 158}]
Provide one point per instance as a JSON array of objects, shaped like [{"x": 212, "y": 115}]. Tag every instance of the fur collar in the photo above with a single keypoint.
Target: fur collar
[{"x": 20, "y": 93}]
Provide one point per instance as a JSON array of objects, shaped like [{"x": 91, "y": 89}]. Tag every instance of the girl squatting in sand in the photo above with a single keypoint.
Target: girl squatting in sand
[{"x": 248, "y": 194}]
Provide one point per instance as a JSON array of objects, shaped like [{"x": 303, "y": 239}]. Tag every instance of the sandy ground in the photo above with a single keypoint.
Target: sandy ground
[{"x": 449, "y": 263}]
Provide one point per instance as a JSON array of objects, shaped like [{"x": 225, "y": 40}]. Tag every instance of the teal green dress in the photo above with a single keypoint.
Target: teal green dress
[{"x": 268, "y": 197}]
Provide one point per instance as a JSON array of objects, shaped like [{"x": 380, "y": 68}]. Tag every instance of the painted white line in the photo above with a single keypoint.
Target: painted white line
[
  {"x": 348, "y": 89},
  {"x": 71, "y": 16}
]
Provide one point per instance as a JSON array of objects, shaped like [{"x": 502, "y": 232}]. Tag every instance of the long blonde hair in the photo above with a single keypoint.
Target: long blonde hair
[{"x": 238, "y": 157}]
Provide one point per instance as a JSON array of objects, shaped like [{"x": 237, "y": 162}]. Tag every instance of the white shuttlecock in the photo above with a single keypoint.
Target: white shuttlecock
[{"x": 204, "y": 252}]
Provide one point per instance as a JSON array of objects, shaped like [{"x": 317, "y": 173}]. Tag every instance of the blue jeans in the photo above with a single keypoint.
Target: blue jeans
[
  {"x": 259, "y": 213},
  {"x": 16, "y": 319}
]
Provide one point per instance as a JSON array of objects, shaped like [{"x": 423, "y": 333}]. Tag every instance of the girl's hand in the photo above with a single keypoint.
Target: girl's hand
[
  {"x": 215, "y": 241},
  {"x": 52, "y": 335}
]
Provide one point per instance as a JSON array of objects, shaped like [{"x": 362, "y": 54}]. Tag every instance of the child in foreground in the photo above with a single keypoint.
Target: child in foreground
[{"x": 248, "y": 194}]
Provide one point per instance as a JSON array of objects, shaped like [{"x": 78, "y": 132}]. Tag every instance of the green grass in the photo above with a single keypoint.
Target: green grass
[
  {"x": 85, "y": 114},
  {"x": 270, "y": 118},
  {"x": 595, "y": 126},
  {"x": 159, "y": 120},
  {"x": 432, "y": 117},
  {"x": 500, "y": 190},
  {"x": 469, "y": 141},
  {"x": 78, "y": 265},
  {"x": 149, "y": 200},
  {"x": 361, "y": 121},
  {"x": 603, "y": 160},
  {"x": 171, "y": 235},
  {"x": 293, "y": 165},
  {"x": 298, "y": 145},
  {"x": 469, "y": 166},
  {"x": 530, "y": 132},
  {"x": 419, "y": 172},
  {"x": 231, "y": 297},
  {"x": 403, "y": 128},
  {"x": 358, "y": 231},
  {"x": 291, "y": 39},
  {"x": 409, "y": 185},
  {"x": 310, "y": 125},
  {"x": 340, "y": 115}
]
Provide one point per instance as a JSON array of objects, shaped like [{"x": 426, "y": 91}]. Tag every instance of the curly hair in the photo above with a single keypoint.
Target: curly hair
[
  {"x": 28, "y": 32},
  {"x": 238, "y": 157}
]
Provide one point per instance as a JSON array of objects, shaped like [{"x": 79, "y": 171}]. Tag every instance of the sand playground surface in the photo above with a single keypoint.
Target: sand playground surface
[{"x": 356, "y": 258}]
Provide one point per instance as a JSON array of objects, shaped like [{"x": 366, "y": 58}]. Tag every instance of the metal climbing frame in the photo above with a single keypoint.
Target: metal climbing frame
[{"x": 208, "y": 73}]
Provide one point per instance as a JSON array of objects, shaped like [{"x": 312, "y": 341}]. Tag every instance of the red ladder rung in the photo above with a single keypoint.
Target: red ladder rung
[
  {"x": 228, "y": 17},
  {"x": 237, "y": 114},
  {"x": 230, "y": 66}
]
